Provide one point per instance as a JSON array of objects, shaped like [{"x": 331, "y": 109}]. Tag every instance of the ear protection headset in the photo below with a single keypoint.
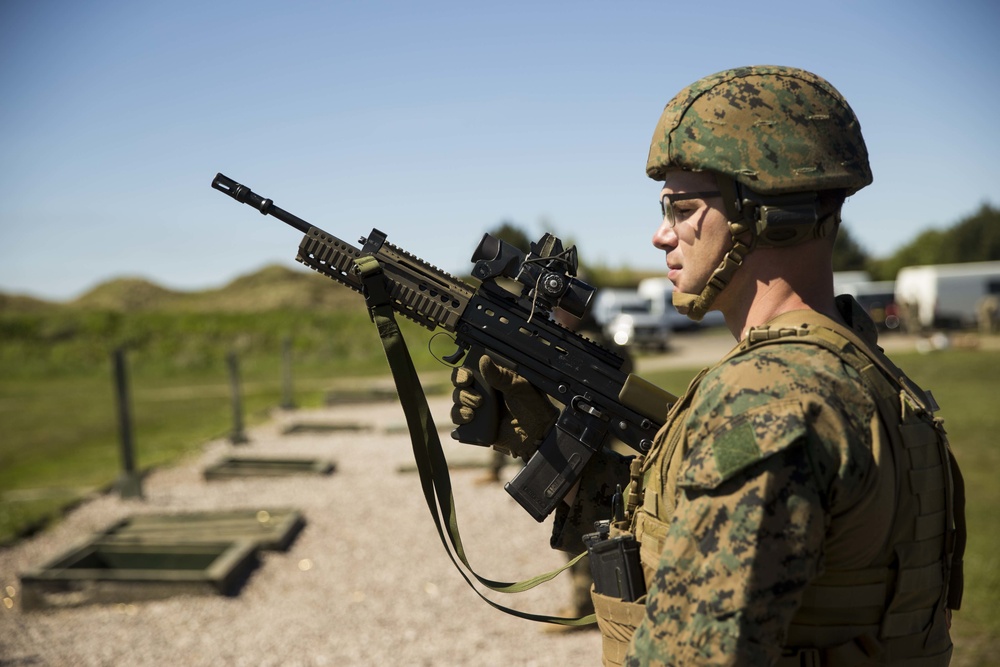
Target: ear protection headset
[{"x": 775, "y": 221}]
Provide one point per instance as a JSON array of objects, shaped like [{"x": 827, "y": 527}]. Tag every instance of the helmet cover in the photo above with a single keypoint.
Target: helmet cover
[{"x": 774, "y": 129}]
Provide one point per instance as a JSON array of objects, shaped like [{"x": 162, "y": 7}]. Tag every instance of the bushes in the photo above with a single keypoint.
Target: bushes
[{"x": 67, "y": 343}]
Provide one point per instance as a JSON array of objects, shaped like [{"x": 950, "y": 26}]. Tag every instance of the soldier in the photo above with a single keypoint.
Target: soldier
[
  {"x": 988, "y": 314},
  {"x": 800, "y": 505}
]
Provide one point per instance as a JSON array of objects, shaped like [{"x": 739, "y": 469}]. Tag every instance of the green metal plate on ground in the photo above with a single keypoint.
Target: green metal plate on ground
[
  {"x": 322, "y": 427},
  {"x": 370, "y": 395},
  {"x": 270, "y": 529},
  {"x": 107, "y": 572},
  {"x": 238, "y": 467}
]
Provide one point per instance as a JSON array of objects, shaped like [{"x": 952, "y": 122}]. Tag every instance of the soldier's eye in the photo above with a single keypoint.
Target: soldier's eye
[{"x": 685, "y": 209}]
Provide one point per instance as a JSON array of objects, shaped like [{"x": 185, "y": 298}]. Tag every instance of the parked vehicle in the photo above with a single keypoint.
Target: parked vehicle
[
  {"x": 660, "y": 292},
  {"x": 845, "y": 281},
  {"x": 647, "y": 319},
  {"x": 609, "y": 301},
  {"x": 944, "y": 295},
  {"x": 637, "y": 325},
  {"x": 878, "y": 298}
]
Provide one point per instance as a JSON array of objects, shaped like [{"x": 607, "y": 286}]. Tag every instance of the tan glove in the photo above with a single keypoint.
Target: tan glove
[{"x": 525, "y": 417}]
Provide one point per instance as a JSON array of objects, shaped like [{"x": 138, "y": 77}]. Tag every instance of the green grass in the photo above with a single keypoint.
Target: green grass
[{"x": 60, "y": 434}]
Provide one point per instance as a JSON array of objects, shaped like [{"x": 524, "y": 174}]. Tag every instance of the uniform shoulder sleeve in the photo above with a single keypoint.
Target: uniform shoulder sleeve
[
  {"x": 742, "y": 441},
  {"x": 773, "y": 398}
]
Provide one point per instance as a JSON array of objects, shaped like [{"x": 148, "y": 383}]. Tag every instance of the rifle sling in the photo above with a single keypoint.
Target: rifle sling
[{"x": 428, "y": 455}]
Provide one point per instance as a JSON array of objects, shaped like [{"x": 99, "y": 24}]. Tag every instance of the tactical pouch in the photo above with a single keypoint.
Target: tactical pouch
[
  {"x": 617, "y": 620},
  {"x": 615, "y": 565}
]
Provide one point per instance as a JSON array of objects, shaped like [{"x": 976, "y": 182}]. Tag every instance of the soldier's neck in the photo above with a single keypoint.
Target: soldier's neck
[{"x": 758, "y": 302}]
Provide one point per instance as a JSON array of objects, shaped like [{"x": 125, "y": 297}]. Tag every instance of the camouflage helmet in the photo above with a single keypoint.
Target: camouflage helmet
[{"x": 776, "y": 130}]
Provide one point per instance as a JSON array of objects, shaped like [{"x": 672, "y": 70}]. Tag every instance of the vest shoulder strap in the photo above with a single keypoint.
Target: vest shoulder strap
[{"x": 812, "y": 327}]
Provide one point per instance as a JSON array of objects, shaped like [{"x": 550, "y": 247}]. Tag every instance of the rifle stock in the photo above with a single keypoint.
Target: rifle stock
[{"x": 599, "y": 399}]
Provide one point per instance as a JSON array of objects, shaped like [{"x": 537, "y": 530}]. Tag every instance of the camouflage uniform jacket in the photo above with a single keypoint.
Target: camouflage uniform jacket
[{"x": 741, "y": 496}]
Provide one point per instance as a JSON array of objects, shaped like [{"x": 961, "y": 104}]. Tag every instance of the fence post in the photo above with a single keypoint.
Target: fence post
[
  {"x": 129, "y": 484},
  {"x": 287, "y": 402},
  {"x": 237, "y": 437}
]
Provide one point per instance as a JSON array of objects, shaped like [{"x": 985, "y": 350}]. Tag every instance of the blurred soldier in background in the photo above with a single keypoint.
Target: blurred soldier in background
[
  {"x": 988, "y": 314},
  {"x": 800, "y": 505}
]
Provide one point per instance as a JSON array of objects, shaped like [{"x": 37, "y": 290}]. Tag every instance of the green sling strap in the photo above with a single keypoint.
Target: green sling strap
[{"x": 432, "y": 467}]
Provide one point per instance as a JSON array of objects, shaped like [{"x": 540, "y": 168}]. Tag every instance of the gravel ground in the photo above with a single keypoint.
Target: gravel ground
[{"x": 367, "y": 582}]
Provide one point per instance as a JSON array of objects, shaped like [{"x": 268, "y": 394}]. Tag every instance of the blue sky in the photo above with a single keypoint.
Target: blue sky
[{"x": 435, "y": 121}]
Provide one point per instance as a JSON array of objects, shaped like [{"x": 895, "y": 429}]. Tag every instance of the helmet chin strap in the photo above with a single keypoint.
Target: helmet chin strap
[{"x": 695, "y": 306}]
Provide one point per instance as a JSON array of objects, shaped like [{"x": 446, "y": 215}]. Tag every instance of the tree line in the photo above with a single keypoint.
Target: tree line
[{"x": 975, "y": 238}]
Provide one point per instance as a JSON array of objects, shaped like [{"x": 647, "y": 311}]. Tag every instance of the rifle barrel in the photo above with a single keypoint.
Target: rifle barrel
[{"x": 245, "y": 195}]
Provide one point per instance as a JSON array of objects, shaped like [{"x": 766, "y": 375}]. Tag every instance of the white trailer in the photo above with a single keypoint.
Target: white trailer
[{"x": 944, "y": 295}]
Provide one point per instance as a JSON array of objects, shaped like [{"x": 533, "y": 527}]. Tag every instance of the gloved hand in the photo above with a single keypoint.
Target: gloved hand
[{"x": 525, "y": 418}]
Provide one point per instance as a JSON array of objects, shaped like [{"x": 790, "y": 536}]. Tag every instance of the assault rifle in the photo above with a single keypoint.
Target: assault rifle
[{"x": 598, "y": 398}]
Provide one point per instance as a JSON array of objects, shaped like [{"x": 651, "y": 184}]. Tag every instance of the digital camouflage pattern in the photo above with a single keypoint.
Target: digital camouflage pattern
[
  {"x": 807, "y": 504},
  {"x": 774, "y": 129},
  {"x": 797, "y": 519},
  {"x": 777, "y": 437}
]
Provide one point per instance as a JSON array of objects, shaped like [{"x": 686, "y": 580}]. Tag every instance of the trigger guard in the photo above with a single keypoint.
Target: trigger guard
[{"x": 455, "y": 356}]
